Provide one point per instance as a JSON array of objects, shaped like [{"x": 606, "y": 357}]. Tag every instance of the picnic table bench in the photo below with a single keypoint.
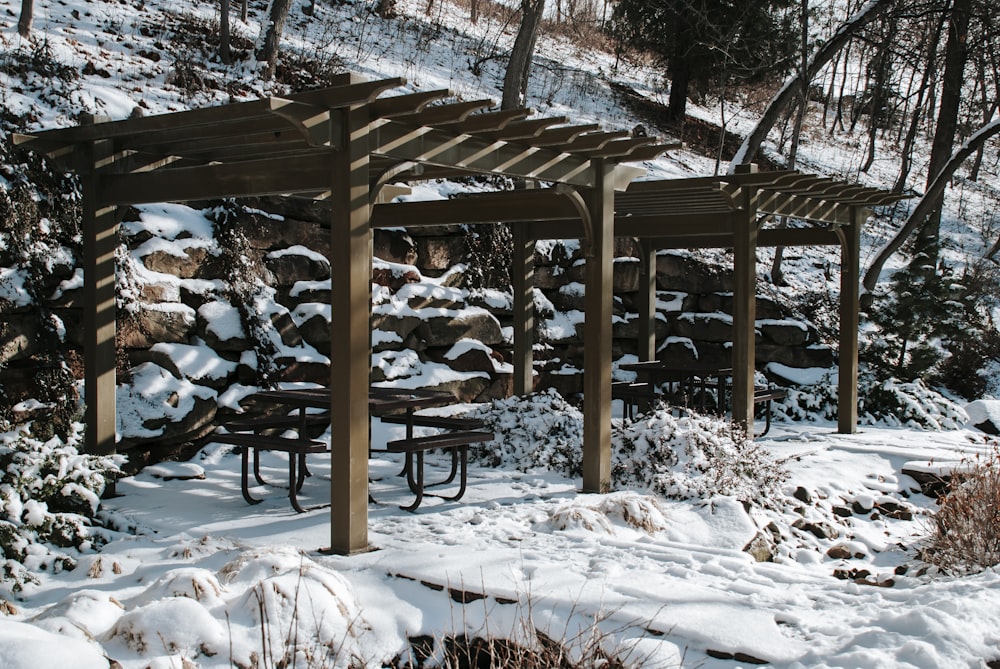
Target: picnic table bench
[
  {"x": 459, "y": 433},
  {"x": 392, "y": 405}
]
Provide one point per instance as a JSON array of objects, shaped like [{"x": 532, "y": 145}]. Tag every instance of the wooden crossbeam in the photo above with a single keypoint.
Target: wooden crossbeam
[{"x": 507, "y": 206}]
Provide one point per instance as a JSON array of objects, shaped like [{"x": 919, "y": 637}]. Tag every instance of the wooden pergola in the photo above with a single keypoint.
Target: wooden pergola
[{"x": 345, "y": 143}]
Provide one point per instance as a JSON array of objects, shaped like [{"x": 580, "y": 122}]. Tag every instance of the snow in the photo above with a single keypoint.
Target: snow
[
  {"x": 661, "y": 570},
  {"x": 666, "y": 576}
]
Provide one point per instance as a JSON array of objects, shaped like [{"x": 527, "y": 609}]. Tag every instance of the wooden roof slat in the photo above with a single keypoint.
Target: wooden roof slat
[
  {"x": 270, "y": 176},
  {"x": 359, "y": 92},
  {"x": 400, "y": 105},
  {"x": 653, "y": 150},
  {"x": 487, "y": 121},
  {"x": 337, "y": 96},
  {"x": 621, "y": 147},
  {"x": 520, "y": 130},
  {"x": 454, "y": 112},
  {"x": 475, "y": 153},
  {"x": 656, "y": 186},
  {"x": 559, "y": 136},
  {"x": 164, "y": 140},
  {"x": 204, "y": 148},
  {"x": 592, "y": 141}
]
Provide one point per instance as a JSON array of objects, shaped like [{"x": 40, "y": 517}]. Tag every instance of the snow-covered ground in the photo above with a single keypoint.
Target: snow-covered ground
[
  {"x": 209, "y": 581},
  {"x": 666, "y": 582}
]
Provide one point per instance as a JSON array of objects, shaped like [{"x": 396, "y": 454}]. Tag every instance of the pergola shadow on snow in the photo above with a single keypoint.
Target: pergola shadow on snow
[{"x": 346, "y": 144}]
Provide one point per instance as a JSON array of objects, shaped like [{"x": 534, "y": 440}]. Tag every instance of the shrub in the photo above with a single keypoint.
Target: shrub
[
  {"x": 49, "y": 500},
  {"x": 687, "y": 457},
  {"x": 965, "y": 532},
  {"x": 881, "y": 402}
]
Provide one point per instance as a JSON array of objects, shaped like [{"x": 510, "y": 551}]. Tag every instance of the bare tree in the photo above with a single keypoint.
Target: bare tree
[
  {"x": 777, "y": 276},
  {"x": 786, "y": 94},
  {"x": 956, "y": 56},
  {"x": 270, "y": 37},
  {"x": 224, "y": 51},
  {"x": 27, "y": 12},
  {"x": 931, "y": 199},
  {"x": 515, "y": 80}
]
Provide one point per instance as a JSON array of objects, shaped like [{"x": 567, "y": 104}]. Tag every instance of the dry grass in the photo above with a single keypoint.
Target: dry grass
[{"x": 965, "y": 533}]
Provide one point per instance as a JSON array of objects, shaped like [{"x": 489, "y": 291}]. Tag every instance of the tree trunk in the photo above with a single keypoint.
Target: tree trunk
[
  {"x": 956, "y": 56},
  {"x": 880, "y": 98},
  {"x": 243, "y": 11},
  {"x": 515, "y": 80},
  {"x": 777, "y": 276},
  {"x": 931, "y": 199},
  {"x": 27, "y": 12},
  {"x": 267, "y": 51},
  {"x": 911, "y": 132},
  {"x": 474, "y": 11},
  {"x": 224, "y": 53},
  {"x": 751, "y": 145}
]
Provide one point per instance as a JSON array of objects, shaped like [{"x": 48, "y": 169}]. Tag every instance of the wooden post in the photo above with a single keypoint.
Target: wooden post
[
  {"x": 597, "y": 335},
  {"x": 100, "y": 240},
  {"x": 522, "y": 275},
  {"x": 350, "y": 336},
  {"x": 744, "y": 307},
  {"x": 646, "y": 300},
  {"x": 847, "y": 395}
]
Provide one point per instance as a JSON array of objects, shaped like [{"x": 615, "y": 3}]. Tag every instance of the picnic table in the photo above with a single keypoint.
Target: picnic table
[
  {"x": 691, "y": 384},
  {"x": 397, "y": 405}
]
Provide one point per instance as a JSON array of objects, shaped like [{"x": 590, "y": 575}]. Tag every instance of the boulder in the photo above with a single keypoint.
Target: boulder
[
  {"x": 471, "y": 324},
  {"x": 220, "y": 325},
  {"x": 465, "y": 389},
  {"x": 194, "y": 262},
  {"x": 439, "y": 253},
  {"x": 315, "y": 330},
  {"x": 19, "y": 338},
  {"x": 984, "y": 415},
  {"x": 297, "y": 264},
  {"x": 287, "y": 330},
  {"x": 711, "y": 327},
  {"x": 402, "y": 326},
  {"x": 625, "y": 274},
  {"x": 784, "y": 332},
  {"x": 687, "y": 275},
  {"x": 796, "y": 356},
  {"x": 168, "y": 322},
  {"x": 394, "y": 246}
]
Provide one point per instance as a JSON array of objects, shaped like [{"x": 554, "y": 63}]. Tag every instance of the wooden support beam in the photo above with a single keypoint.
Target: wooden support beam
[
  {"x": 100, "y": 241},
  {"x": 270, "y": 176},
  {"x": 506, "y": 206},
  {"x": 646, "y": 300},
  {"x": 744, "y": 309},
  {"x": 350, "y": 336},
  {"x": 597, "y": 334},
  {"x": 673, "y": 227},
  {"x": 522, "y": 274},
  {"x": 850, "y": 279}
]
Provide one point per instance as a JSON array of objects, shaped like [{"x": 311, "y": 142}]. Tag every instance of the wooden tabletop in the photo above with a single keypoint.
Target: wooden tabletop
[{"x": 381, "y": 399}]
